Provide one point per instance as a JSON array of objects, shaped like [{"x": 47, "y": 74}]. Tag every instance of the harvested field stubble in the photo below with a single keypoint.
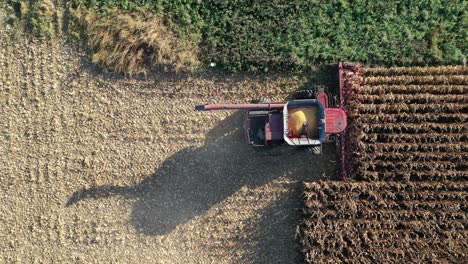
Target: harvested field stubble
[{"x": 98, "y": 168}]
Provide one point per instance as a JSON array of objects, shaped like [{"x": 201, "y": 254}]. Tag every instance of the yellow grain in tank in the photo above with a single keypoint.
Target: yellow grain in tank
[{"x": 298, "y": 116}]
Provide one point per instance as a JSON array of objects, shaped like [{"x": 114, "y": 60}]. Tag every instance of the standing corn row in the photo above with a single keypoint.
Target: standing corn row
[
  {"x": 429, "y": 117},
  {"x": 407, "y": 148}
]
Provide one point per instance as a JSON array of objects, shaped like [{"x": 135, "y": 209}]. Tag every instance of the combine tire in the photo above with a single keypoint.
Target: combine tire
[
  {"x": 315, "y": 150},
  {"x": 310, "y": 93},
  {"x": 304, "y": 94}
]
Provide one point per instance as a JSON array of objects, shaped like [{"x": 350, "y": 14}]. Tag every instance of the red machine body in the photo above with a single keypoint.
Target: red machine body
[
  {"x": 335, "y": 118},
  {"x": 347, "y": 73}
]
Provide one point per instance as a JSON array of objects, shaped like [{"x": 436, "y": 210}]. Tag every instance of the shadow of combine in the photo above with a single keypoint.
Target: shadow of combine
[{"x": 191, "y": 181}]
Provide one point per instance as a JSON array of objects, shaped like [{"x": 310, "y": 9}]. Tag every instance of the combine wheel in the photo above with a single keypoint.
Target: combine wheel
[
  {"x": 333, "y": 101},
  {"x": 316, "y": 150},
  {"x": 310, "y": 93},
  {"x": 304, "y": 94}
]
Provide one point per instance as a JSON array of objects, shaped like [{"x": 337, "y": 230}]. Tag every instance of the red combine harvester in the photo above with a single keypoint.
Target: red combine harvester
[{"x": 310, "y": 118}]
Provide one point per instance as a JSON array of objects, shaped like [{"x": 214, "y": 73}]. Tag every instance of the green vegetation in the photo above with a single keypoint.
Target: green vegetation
[
  {"x": 259, "y": 35},
  {"x": 40, "y": 17},
  {"x": 295, "y": 34},
  {"x": 163, "y": 34},
  {"x": 135, "y": 42}
]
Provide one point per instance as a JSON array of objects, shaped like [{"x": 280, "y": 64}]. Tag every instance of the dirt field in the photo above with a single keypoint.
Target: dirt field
[{"x": 101, "y": 168}]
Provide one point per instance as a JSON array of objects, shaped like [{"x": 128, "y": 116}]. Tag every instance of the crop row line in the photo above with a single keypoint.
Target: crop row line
[
  {"x": 420, "y": 98},
  {"x": 412, "y": 89},
  {"x": 417, "y": 71},
  {"x": 409, "y": 79},
  {"x": 410, "y": 108},
  {"x": 412, "y": 118}
]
